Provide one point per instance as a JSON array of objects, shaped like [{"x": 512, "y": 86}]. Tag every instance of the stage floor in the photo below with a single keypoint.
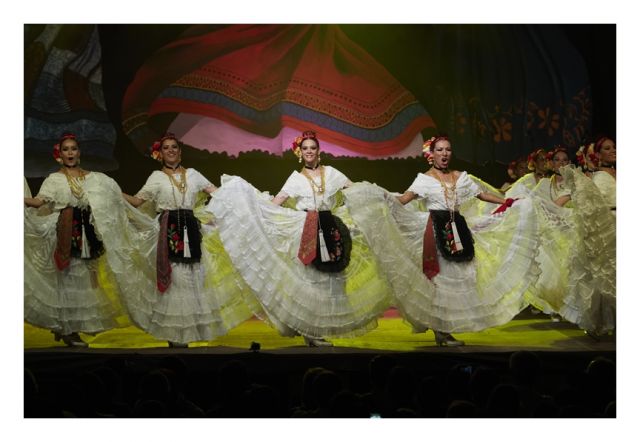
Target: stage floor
[{"x": 525, "y": 332}]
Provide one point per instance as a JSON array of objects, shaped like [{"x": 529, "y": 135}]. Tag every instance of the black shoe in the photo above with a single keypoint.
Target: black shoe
[
  {"x": 316, "y": 342},
  {"x": 593, "y": 335},
  {"x": 446, "y": 340},
  {"x": 71, "y": 340}
]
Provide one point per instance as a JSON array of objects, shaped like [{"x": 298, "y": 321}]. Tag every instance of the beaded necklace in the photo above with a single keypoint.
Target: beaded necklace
[
  {"x": 450, "y": 197},
  {"x": 75, "y": 182},
  {"x": 449, "y": 192},
  {"x": 181, "y": 186},
  {"x": 554, "y": 187},
  {"x": 314, "y": 186}
]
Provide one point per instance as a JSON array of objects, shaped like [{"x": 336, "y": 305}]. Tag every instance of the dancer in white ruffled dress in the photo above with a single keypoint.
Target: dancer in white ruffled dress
[
  {"x": 68, "y": 285},
  {"x": 177, "y": 298},
  {"x": 537, "y": 164},
  {"x": 602, "y": 162},
  {"x": 446, "y": 276},
  {"x": 310, "y": 268},
  {"x": 516, "y": 170},
  {"x": 590, "y": 301},
  {"x": 552, "y": 200}
]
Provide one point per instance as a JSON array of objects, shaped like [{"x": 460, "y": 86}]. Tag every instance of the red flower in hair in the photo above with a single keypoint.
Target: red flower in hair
[
  {"x": 426, "y": 149},
  {"x": 56, "y": 147},
  {"x": 531, "y": 159},
  {"x": 56, "y": 152},
  {"x": 155, "y": 151}
]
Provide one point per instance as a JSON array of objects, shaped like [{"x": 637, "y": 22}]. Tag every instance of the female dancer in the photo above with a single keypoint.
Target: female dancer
[
  {"x": 68, "y": 285},
  {"x": 557, "y": 243},
  {"x": 537, "y": 164},
  {"x": 442, "y": 277},
  {"x": 590, "y": 301},
  {"x": 516, "y": 170},
  {"x": 188, "y": 304},
  {"x": 310, "y": 269},
  {"x": 604, "y": 176}
]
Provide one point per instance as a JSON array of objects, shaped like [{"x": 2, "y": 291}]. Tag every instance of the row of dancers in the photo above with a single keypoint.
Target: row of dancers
[{"x": 323, "y": 258}]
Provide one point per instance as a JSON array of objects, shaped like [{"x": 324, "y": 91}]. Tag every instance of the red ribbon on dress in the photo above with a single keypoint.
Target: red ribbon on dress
[
  {"x": 430, "y": 266},
  {"x": 309, "y": 239},
  {"x": 507, "y": 203},
  {"x": 62, "y": 253},
  {"x": 163, "y": 266}
]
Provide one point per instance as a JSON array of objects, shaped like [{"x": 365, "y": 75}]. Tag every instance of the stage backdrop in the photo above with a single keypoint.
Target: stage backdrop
[
  {"x": 63, "y": 92},
  {"x": 238, "y": 94}
]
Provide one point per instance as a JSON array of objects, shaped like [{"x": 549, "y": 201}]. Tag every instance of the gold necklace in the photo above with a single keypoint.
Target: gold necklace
[
  {"x": 314, "y": 186},
  {"x": 181, "y": 186},
  {"x": 449, "y": 193},
  {"x": 75, "y": 182}
]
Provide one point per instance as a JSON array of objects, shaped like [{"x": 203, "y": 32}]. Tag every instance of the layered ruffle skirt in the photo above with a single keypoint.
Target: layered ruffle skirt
[
  {"x": 590, "y": 301},
  {"x": 263, "y": 239},
  {"x": 83, "y": 297},
  {"x": 204, "y": 300},
  {"x": 464, "y": 296}
]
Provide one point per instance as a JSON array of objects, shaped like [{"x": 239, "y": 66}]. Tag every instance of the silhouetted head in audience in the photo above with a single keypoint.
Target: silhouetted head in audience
[
  {"x": 95, "y": 396},
  {"x": 325, "y": 386},
  {"x": 504, "y": 401},
  {"x": 307, "y": 397},
  {"x": 458, "y": 378},
  {"x": 461, "y": 409},
  {"x": 525, "y": 367},
  {"x": 401, "y": 388},
  {"x": 431, "y": 397},
  {"x": 379, "y": 368},
  {"x": 155, "y": 385},
  {"x": 347, "y": 404},
  {"x": 602, "y": 371},
  {"x": 610, "y": 410},
  {"x": 483, "y": 380},
  {"x": 147, "y": 408},
  {"x": 263, "y": 401},
  {"x": 601, "y": 383},
  {"x": 233, "y": 379},
  {"x": 31, "y": 389}
]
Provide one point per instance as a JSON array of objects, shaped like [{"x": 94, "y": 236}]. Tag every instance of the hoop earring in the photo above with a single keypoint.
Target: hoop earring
[
  {"x": 319, "y": 158},
  {"x": 300, "y": 159},
  {"x": 78, "y": 161}
]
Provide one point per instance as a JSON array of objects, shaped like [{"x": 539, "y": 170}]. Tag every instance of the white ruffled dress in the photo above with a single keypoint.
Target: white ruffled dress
[
  {"x": 263, "y": 240},
  {"x": 577, "y": 252},
  {"x": 522, "y": 187},
  {"x": 558, "y": 244},
  {"x": 83, "y": 296},
  {"x": 200, "y": 303},
  {"x": 590, "y": 300},
  {"x": 464, "y": 296},
  {"x": 607, "y": 186}
]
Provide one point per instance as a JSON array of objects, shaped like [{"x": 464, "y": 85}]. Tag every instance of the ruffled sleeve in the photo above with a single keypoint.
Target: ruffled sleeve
[
  {"x": 149, "y": 191},
  {"x": 47, "y": 191},
  {"x": 466, "y": 188},
  {"x": 417, "y": 186},
  {"x": 291, "y": 187},
  {"x": 199, "y": 181},
  {"x": 338, "y": 179}
]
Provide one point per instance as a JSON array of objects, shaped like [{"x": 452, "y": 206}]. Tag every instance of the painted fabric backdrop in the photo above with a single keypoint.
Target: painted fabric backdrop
[
  {"x": 255, "y": 87},
  {"x": 501, "y": 91},
  {"x": 63, "y": 92}
]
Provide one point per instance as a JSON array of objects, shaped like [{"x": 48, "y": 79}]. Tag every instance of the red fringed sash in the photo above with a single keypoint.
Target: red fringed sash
[
  {"x": 163, "y": 266},
  {"x": 430, "y": 265},
  {"x": 62, "y": 254},
  {"x": 309, "y": 240}
]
